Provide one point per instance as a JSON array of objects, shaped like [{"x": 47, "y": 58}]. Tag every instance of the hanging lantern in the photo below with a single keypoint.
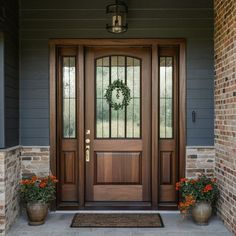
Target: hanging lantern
[{"x": 117, "y": 13}]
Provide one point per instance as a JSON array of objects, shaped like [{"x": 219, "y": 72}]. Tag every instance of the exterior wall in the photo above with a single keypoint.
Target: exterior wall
[
  {"x": 9, "y": 110},
  {"x": 2, "y": 106},
  {"x": 200, "y": 160},
  {"x": 43, "y": 20},
  {"x": 35, "y": 161},
  {"x": 17, "y": 163},
  {"x": 225, "y": 108},
  {"x": 10, "y": 175}
]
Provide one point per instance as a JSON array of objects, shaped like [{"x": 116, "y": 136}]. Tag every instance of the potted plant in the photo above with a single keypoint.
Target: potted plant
[
  {"x": 198, "y": 196},
  {"x": 37, "y": 192}
]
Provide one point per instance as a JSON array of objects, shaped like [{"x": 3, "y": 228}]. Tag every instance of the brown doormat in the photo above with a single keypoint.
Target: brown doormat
[{"x": 117, "y": 220}]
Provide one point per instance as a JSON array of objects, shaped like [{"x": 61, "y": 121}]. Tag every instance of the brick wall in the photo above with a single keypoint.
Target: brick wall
[
  {"x": 35, "y": 161},
  {"x": 200, "y": 160},
  {"x": 225, "y": 108},
  {"x": 15, "y": 163},
  {"x": 10, "y": 174}
]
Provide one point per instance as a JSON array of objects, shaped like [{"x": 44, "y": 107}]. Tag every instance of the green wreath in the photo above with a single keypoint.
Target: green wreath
[{"x": 121, "y": 88}]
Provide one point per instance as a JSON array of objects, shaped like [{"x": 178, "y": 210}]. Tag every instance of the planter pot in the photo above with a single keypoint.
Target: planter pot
[
  {"x": 202, "y": 212},
  {"x": 37, "y": 213}
]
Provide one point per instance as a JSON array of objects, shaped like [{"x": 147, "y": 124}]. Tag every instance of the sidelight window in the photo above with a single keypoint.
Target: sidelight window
[
  {"x": 69, "y": 97},
  {"x": 166, "y": 97}
]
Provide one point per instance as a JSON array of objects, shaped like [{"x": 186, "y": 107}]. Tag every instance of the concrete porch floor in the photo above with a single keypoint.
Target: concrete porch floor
[{"x": 58, "y": 224}]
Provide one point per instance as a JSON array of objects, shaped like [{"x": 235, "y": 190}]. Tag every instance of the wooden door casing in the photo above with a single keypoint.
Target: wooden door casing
[
  {"x": 131, "y": 157},
  {"x": 161, "y": 196}
]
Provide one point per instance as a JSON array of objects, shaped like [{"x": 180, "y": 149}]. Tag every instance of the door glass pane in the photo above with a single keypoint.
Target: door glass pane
[
  {"x": 69, "y": 97},
  {"x": 166, "y": 97},
  {"x": 102, "y": 108},
  {"x": 122, "y": 123}
]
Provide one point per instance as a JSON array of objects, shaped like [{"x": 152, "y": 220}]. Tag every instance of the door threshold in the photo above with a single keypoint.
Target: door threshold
[{"x": 115, "y": 211}]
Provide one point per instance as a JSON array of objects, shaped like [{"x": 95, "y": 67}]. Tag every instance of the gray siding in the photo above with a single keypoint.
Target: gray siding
[
  {"x": 42, "y": 20},
  {"x": 2, "y": 107},
  {"x": 10, "y": 29},
  {"x": 12, "y": 74}
]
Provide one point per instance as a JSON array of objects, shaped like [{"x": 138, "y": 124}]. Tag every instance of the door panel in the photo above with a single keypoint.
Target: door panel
[
  {"x": 119, "y": 140},
  {"x": 118, "y": 168}
]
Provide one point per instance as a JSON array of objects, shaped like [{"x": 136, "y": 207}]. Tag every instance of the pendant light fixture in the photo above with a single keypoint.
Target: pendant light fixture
[{"x": 117, "y": 13}]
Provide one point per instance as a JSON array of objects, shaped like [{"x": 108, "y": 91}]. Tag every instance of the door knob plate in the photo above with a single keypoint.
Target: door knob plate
[{"x": 87, "y": 153}]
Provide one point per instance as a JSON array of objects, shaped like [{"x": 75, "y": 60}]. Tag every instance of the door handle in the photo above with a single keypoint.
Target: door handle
[{"x": 87, "y": 153}]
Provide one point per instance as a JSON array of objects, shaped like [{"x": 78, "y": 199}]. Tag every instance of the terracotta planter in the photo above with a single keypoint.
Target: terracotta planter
[
  {"x": 37, "y": 213},
  {"x": 202, "y": 212}
]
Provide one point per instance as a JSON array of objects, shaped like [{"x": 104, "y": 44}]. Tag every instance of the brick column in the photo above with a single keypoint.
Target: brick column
[{"x": 225, "y": 108}]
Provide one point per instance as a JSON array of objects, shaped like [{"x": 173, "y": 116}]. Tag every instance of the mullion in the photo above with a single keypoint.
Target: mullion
[
  {"x": 165, "y": 99},
  {"x": 109, "y": 105},
  {"x": 69, "y": 95},
  {"x": 125, "y": 106},
  {"x": 117, "y": 112},
  {"x": 102, "y": 99},
  {"x": 133, "y": 102}
]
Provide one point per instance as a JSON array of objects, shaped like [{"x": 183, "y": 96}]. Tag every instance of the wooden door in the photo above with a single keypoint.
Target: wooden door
[{"x": 117, "y": 143}]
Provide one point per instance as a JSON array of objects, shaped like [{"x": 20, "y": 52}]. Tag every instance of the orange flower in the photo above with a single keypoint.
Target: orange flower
[
  {"x": 25, "y": 182},
  {"x": 177, "y": 186},
  {"x": 183, "y": 180},
  {"x": 207, "y": 188},
  {"x": 34, "y": 178},
  {"x": 42, "y": 185},
  {"x": 53, "y": 178}
]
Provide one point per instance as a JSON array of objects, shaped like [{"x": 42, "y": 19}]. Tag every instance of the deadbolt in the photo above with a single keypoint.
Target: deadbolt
[{"x": 87, "y": 140}]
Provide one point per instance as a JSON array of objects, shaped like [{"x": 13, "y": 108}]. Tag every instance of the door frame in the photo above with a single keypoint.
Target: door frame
[{"x": 154, "y": 44}]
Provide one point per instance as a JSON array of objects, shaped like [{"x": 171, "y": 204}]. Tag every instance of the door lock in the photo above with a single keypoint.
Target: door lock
[{"x": 87, "y": 141}]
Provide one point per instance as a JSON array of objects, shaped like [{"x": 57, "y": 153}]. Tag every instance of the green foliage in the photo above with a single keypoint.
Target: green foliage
[
  {"x": 121, "y": 88},
  {"x": 38, "y": 189},
  {"x": 201, "y": 189}
]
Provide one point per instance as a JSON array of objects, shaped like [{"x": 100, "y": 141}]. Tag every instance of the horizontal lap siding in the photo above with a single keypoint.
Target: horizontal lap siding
[
  {"x": 42, "y": 20},
  {"x": 10, "y": 29},
  {"x": 2, "y": 106}
]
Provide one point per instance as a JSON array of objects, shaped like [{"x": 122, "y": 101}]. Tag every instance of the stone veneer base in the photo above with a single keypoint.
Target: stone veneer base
[
  {"x": 200, "y": 160},
  {"x": 10, "y": 175}
]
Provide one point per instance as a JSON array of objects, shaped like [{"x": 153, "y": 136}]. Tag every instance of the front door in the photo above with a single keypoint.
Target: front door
[
  {"x": 117, "y": 142},
  {"x": 104, "y": 156}
]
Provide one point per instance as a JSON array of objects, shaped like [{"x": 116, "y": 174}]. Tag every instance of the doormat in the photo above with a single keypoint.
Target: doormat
[{"x": 117, "y": 220}]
